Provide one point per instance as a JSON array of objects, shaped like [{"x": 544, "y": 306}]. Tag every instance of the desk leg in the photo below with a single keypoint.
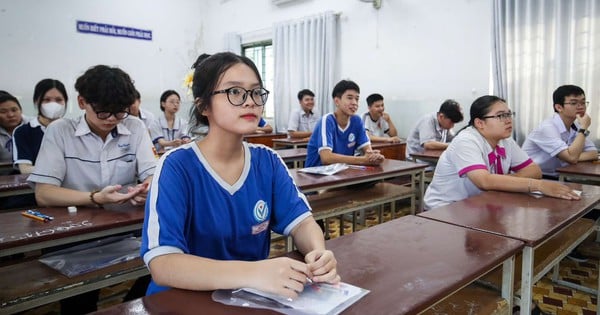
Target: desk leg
[
  {"x": 527, "y": 280},
  {"x": 421, "y": 190},
  {"x": 508, "y": 280}
]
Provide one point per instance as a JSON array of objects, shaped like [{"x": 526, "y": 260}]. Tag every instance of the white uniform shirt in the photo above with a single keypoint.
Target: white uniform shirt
[
  {"x": 470, "y": 151},
  {"x": 378, "y": 128},
  {"x": 427, "y": 129},
  {"x": 147, "y": 117},
  {"x": 72, "y": 156},
  {"x": 550, "y": 138},
  {"x": 301, "y": 121},
  {"x": 160, "y": 129}
]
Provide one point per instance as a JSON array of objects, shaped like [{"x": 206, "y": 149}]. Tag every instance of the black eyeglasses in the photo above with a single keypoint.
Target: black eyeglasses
[
  {"x": 575, "y": 103},
  {"x": 103, "y": 115},
  {"x": 502, "y": 116},
  {"x": 237, "y": 95}
]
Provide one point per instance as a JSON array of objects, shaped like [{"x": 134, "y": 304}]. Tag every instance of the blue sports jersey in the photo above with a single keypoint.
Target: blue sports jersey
[
  {"x": 190, "y": 209},
  {"x": 328, "y": 134}
]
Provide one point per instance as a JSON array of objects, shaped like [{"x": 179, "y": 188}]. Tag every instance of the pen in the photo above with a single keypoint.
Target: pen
[
  {"x": 31, "y": 216},
  {"x": 358, "y": 167},
  {"x": 41, "y": 215}
]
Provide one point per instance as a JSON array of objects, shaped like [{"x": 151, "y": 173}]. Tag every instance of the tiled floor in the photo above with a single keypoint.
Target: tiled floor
[{"x": 551, "y": 298}]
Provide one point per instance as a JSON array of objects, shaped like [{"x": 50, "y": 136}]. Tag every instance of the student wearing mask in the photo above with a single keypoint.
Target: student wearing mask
[{"x": 50, "y": 98}]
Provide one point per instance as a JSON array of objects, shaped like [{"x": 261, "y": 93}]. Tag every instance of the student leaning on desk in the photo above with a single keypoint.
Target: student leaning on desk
[
  {"x": 483, "y": 156},
  {"x": 214, "y": 202},
  {"x": 378, "y": 124},
  {"x": 303, "y": 120},
  {"x": 563, "y": 139},
  {"x": 90, "y": 159},
  {"x": 339, "y": 134}
]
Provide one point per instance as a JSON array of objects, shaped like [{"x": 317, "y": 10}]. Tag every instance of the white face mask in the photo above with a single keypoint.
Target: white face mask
[{"x": 53, "y": 110}]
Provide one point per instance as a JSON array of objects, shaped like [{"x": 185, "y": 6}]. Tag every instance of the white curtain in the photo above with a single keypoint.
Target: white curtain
[
  {"x": 305, "y": 54},
  {"x": 539, "y": 45}
]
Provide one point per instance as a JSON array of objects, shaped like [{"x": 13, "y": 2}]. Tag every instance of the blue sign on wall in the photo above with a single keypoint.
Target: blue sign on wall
[{"x": 113, "y": 30}]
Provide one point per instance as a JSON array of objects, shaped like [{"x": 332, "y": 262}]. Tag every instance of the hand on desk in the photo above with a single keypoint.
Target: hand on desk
[
  {"x": 557, "y": 190},
  {"x": 323, "y": 266},
  {"x": 373, "y": 157},
  {"x": 282, "y": 276}
]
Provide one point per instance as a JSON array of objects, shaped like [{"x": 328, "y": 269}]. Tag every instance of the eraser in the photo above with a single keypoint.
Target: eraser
[{"x": 72, "y": 209}]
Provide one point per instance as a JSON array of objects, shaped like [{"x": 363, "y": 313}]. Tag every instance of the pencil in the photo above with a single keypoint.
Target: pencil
[{"x": 31, "y": 216}]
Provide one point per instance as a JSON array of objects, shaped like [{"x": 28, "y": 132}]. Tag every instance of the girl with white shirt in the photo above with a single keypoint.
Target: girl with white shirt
[
  {"x": 483, "y": 156},
  {"x": 169, "y": 131}
]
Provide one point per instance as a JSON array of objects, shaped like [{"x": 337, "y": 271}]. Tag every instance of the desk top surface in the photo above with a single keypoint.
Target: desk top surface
[
  {"x": 581, "y": 168},
  {"x": 389, "y": 168},
  {"x": 291, "y": 140},
  {"x": 292, "y": 153},
  {"x": 531, "y": 219},
  {"x": 431, "y": 154},
  {"x": 398, "y": 261},
  {"x": 266, "y": 135},
  {"x": 13, "y": 182},
  {"x": 17, "y": 230}
]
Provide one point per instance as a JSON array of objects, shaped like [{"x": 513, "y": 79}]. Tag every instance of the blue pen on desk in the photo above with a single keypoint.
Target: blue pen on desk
[{"x": 41, "y": 215}]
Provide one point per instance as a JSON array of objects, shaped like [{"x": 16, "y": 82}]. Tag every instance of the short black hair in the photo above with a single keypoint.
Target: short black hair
[
  {"x": 451, "y": 109},
  {"x": 165, "y": 95},
  {"x": 374, "y": 98},
  {"x": 199, "y": 60},
  {"x": 106, "y": 88},
  {"x": 5, "y": 97},
  {"x": 563, "y": 91},
  {"x": 341, "y": 87},
  {"x": 304, "y": 92}
]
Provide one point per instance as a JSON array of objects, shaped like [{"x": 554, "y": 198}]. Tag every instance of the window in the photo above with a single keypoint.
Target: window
[{"x": 262, "y": 55}]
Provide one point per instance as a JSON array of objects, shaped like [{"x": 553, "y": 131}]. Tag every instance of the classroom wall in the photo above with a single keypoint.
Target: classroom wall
[
  {"x": 415, "y": 53},
  {"x": 39, "y": 40}
]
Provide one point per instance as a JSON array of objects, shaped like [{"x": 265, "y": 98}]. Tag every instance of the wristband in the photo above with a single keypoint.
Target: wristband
[{"x": 92, "y": 198}]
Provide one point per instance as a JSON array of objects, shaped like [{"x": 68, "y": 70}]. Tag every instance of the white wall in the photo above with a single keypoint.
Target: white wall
[
  {"x": 39, "y": 40},
  {"x": 415, "y": 53}
]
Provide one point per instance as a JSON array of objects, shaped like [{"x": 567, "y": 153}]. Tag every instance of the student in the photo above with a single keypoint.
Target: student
[
  {"x": 263, "y": 127},
  {"x": 378, "y": 123},
  {"x": 214, "y": 202},
  {"x": 483, "y": 156},
  {"x": 562, "y": 139},
  {"x": 136, "y": 111},
  {"x": 169, "y": 131},
  {"x": 434, "y": 131},
  {"x": 90, "y": 160},
  {"x": 340, "y": 134},
  {"x": 303, "y": 120},
  {"x": 50, "y": 98},
  {"x": 11, "y": 117}
]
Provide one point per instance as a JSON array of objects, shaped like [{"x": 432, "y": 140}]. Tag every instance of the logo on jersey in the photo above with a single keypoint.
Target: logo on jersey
[
  {"x": 351, "y": 138},
  {"x": 124, "y": 147},
  {"x": 261, "y": 211}
]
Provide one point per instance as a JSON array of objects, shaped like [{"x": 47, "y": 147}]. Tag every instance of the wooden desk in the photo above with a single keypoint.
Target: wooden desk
[
  {"x": 6, "y": 167},
  {"x": 409, "y": 264},
  {"x": 582, "y": 171},
  {"x": 395, "y": 151},
  {"x": 296, "y": 156},
  {"x": 294, "y": 143},
  {"x": 387, "y": 170},
  {"x": 20, "y": 234},
  {"x": 264, "y": 138},
  {"x": 12, "y": 185},
  {"x": 429, "y": 156},
  {"x": 524, "y": 217}
]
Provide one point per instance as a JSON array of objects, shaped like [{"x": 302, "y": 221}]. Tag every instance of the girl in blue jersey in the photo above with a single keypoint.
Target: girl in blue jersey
[
  {"x": 483, "y": 156},
  {"x": 214, "y": 202}
]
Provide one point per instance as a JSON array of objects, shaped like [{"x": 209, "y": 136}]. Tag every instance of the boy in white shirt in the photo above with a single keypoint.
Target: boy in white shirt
[
  {"x": 378, "y": 124},
  {"x": 303, "y": 120}
]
